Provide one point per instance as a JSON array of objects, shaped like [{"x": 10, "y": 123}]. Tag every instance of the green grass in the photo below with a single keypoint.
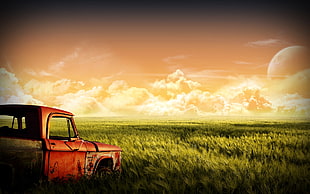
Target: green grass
[{"x": 199, "y": 156}]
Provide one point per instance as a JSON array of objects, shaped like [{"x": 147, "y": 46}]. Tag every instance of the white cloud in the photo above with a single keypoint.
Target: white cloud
[
  {"x": 84, "y": 102},
  {"x": 292, "y": 103},
  {"x": 47, "y": 90},
  {"x": 54, "y": 69},
  {"x": 266, "y": 42},
  {"x": 174, "y": 84},
  {"x": 123, "y": 98},
  {"x": 194, "y": 103},
  {"x": 41, "y": 73},
  {"x": 57, "y": 67},
  {"x": 294, "y": 84},
  {"x": 12, "y": 92},
  {"x": 217, "y": 74},
  {"x": 117, "y": 87},
  {"x": 157, "y": 107},
  {"x": 173, "y": 60},
  {"x": 243, "y": 62}
]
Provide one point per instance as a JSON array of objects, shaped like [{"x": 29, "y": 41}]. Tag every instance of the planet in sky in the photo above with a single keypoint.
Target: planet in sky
[{"x": 289, "y": 61}]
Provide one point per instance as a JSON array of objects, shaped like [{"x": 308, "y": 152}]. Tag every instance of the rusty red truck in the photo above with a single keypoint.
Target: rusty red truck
[{"x": 39, "y": 142}]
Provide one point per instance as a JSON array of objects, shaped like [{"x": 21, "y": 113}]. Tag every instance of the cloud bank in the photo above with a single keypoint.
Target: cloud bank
[{"x": 175, "y": 95}]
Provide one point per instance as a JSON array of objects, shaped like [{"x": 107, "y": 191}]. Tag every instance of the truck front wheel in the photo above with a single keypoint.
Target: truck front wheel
[{"x": 104, "y": 168}]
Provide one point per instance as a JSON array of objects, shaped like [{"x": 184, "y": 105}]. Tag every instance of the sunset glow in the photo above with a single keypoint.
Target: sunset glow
[{"x": 110, "y": 60}]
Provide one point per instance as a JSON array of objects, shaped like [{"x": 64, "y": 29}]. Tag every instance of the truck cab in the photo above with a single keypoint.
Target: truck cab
[{"x": 38, "y": 142}]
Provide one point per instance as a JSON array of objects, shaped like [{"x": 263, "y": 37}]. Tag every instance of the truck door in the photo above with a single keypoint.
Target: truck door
[{"x": 64, "y": 157}]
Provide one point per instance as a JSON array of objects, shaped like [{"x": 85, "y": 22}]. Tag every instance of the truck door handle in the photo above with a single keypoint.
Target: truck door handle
[{"x": 53, "y": 143}]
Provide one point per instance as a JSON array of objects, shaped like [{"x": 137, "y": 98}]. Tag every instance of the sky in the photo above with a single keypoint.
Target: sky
[{"x": 153, "y": 58}]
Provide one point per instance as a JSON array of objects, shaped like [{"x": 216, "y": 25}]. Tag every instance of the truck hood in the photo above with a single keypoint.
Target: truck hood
[{"x": 101, "y": 147}]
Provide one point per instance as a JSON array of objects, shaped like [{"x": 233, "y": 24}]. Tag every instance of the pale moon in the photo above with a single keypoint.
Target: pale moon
[{"x": 289, "y": 61}]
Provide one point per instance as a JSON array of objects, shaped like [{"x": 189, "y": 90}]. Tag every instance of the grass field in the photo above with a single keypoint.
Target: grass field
[{"x": 217, "y": 155}]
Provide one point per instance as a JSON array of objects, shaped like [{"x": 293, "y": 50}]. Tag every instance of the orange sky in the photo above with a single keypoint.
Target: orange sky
[{"x": 211, "y": 44}]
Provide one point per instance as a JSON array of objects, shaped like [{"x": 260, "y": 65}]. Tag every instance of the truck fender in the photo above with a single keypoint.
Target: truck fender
[{"x": 103, "y": 165}]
